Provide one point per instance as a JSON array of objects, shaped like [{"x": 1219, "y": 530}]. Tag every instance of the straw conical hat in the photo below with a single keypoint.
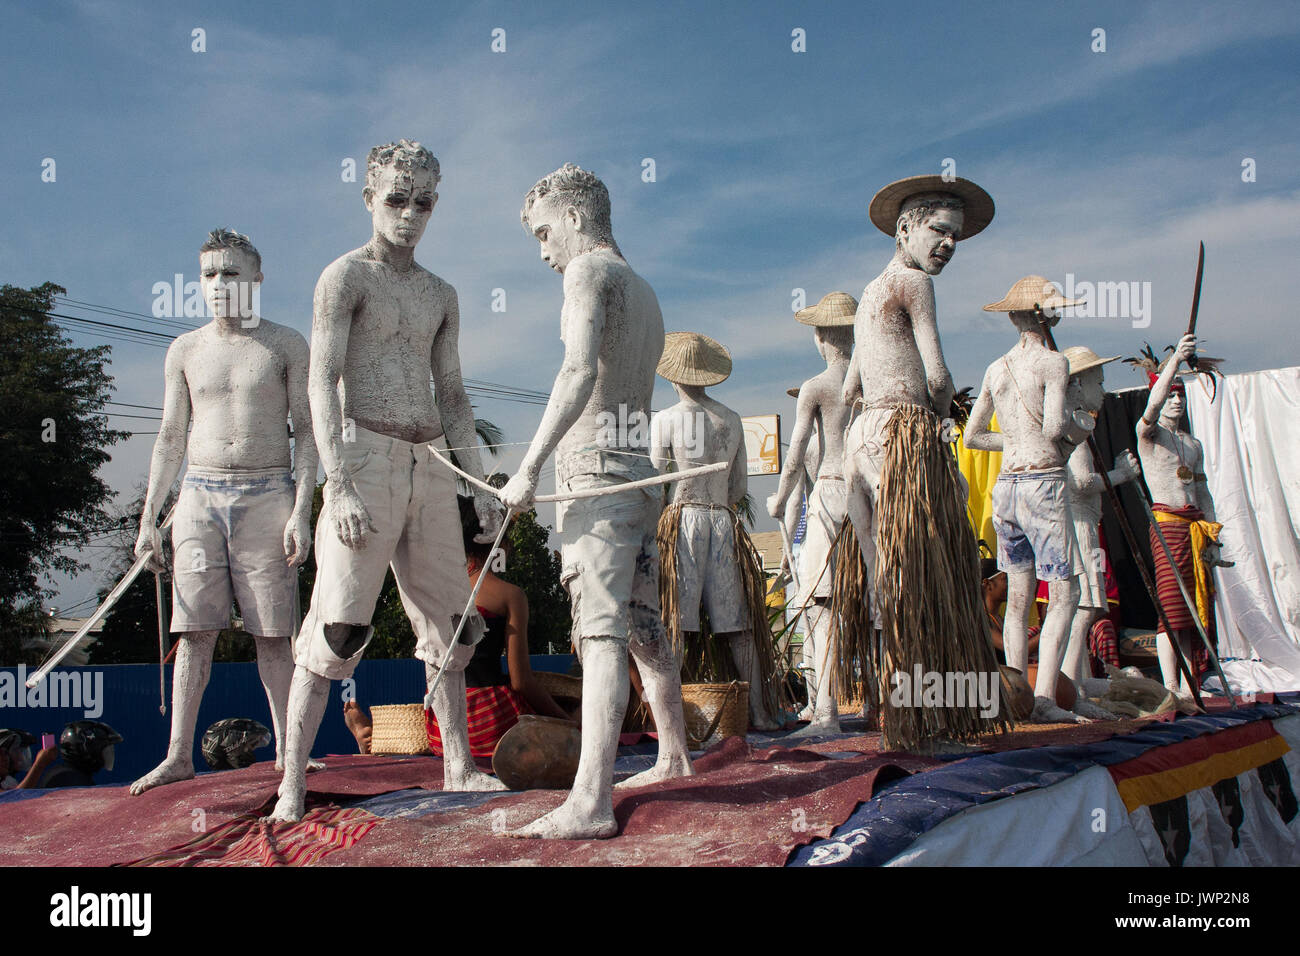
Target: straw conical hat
[
  {"x": 834, "y": 309},
  {"x": 886, "y": 204},
  {"x": 1030, "y": 293},
  {"x": 693, "y": 359},
  {"x": 793, "y": 392},
  {"x": 1083, "y": 358}
]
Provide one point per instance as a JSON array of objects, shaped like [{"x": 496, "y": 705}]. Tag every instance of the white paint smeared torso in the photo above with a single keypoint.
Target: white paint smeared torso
[
  {"x": 239, "y": 404},
  {"x": 385, "y": 384}
]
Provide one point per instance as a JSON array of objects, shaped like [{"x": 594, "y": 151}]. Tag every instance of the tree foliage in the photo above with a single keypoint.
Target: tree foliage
[{"x": 55, "y": 436}]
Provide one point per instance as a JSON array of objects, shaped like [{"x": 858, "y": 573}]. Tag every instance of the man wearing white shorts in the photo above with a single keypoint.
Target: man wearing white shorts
[
  {"x": 700, "y": 430},
  {"x": 411, "y": 500},
  {"x": 242, "y": 523},
  {"x": 820, "y": 412}
]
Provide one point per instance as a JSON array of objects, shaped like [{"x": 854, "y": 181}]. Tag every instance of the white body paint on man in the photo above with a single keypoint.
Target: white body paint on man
[
  {"x": 613, "y": 337},
  {"x": 700, "y": 430},
  {"x": 1031, "y": 509},
  {"x": 381, "y": 326},
  {"x": 1173, "y": 463},
  {"x": 1084, "y": 486},
  {"x": 240, "y": 528},
  {"x": 820, "y": 412}
]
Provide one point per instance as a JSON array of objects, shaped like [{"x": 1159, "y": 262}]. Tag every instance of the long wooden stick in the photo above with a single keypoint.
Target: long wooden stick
[
  {"x": 132, "y": 573},
  {"x": 594, "y": 492},
  {"x": 1131, "y": 540}
]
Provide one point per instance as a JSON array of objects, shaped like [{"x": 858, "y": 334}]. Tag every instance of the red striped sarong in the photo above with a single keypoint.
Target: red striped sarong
[
  {"x": 491, "y": 711},
  {"x": 1103, "y": 645},
  {"x": 1178, "y": 536}
]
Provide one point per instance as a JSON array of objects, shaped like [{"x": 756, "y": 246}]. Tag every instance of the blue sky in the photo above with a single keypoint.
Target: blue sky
[{"x": 1109, "y": 166}]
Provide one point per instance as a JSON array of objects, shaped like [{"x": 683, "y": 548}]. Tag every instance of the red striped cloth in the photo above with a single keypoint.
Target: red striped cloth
[
  {"x": 247, "y": 841},
  {"x": 1103, "y": 645},
  {"x": 1178, "y": 536},
  {"x": 491, "y": 712}
]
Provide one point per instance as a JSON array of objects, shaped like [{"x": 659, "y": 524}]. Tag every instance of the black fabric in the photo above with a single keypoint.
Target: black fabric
[
  {"x": 484, "y": 668},
  {"x": 1117, "y": 431}
]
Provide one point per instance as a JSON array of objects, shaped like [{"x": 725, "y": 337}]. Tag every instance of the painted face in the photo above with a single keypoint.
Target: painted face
[
  {"x": 1174, "y": 406},
  {"x": 556, "y": 231},
  {"x": 1092, "y": 393},
  {"x": 400, "y": 204},
  {"x": 931, "y": 244},
  {"x": 228, "y": 278}
]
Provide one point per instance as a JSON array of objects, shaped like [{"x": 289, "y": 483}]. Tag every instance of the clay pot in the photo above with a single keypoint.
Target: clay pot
[
  {"x": 1066, "y": 695},
  {"x": 1018, "y": 692},
  {"x": 538, "y": 753}
]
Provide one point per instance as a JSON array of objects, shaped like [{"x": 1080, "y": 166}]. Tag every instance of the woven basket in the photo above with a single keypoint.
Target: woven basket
[
  {"x": 398, "y": 729},
  {"x": 559, "y": 685},
  {"x": 714, "y": 712}
]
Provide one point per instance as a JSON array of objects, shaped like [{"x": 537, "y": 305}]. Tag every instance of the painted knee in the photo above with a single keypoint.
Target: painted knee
[{"x": 346, "y": 639}]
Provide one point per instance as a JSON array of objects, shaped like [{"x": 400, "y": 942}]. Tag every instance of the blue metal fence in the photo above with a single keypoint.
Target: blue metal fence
[{"x": 127, "y": 695}]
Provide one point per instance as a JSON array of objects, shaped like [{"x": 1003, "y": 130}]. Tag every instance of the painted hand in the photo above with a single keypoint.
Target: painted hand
[
  {"x": 1127, "y": 466},
  {"x": 297, "y": 539},
  {"x": 519, "y": 492},
  {"x": 775, "y": 507},
  {"x": 349, "y": 516},
  {"x": 490, "y": 515},
  {"x": 1186, "y": 348},
  {"x": 149, "y": 541}
]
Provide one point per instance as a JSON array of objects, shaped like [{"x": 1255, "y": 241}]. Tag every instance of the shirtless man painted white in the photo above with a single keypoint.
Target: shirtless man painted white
[
  {"x": 1084, "y": 486},
  {"x": 382, "y": 325},
  {"x": 240, "y": 528},
  {"x": 1031, "y": 510},
  {"x": 820, "y": 412},
  {"x": 1173, "y": 464},
  {"x": 613, "y": 338},
  {"x": 700, "y": 430}
]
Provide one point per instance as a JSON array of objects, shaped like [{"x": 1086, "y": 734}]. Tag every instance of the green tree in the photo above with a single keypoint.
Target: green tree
[{"x": 55, "y": 437}]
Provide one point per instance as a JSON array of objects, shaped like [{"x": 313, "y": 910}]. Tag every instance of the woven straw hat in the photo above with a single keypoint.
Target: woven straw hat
[
  {"x": 793, "y": 392},
  {"x": 1083, "y": 358},
  {"x": 1029, "y": 294},
  {"x": 886, "y": 204},
  {"x": 693, "y": 359},
  {"x": 834, "y": 309}
]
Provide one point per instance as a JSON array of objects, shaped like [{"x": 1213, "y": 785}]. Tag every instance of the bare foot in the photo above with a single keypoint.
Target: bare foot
[
  {"x": 359, "y": 723},
  {"x": 169, "y": 771},
  {"x": 1046, "y": 712},
  {"x": 763, "y": 722},
  {"x": 662, "y": 770},
  {"x": 312, "y": 765},
  {"x": 567, "y": 822},
  {"x": 289, "y": 808},
  {"x": 467, "y": 779},
  {"x": 820, "y": 726},
  {"x": 805, "y": 714}
]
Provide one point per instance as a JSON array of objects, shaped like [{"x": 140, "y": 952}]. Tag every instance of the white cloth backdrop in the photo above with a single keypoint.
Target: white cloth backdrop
[{"x": 1251, "y": 436}]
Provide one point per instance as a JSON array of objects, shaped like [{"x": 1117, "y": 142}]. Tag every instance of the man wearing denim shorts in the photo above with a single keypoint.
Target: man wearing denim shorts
[
  {"x": 240, "y": 528},
  {"x": 613, "y": 335},
  {"x": 382, "y": 326},
  {"x": 1031, "y": 506}
]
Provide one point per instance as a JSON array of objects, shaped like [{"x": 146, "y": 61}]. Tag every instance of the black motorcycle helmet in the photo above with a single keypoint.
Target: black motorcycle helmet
[
  {"x": 229, "y": 744},
  {"x": 83, "y": 744}
]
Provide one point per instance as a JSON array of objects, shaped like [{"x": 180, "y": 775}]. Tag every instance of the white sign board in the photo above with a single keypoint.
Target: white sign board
[{"x": 763, "y": 444}]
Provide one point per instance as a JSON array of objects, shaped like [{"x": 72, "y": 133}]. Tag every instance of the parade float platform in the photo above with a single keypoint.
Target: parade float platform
[{"x": 1215, "y": 789}]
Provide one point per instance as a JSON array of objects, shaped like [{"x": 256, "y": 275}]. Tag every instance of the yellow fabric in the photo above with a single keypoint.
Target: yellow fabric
[
  {"x": 1177, "y": 781},
  {"x": 981, "y": 471},
  {"x": 1202, "y": 533}
]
